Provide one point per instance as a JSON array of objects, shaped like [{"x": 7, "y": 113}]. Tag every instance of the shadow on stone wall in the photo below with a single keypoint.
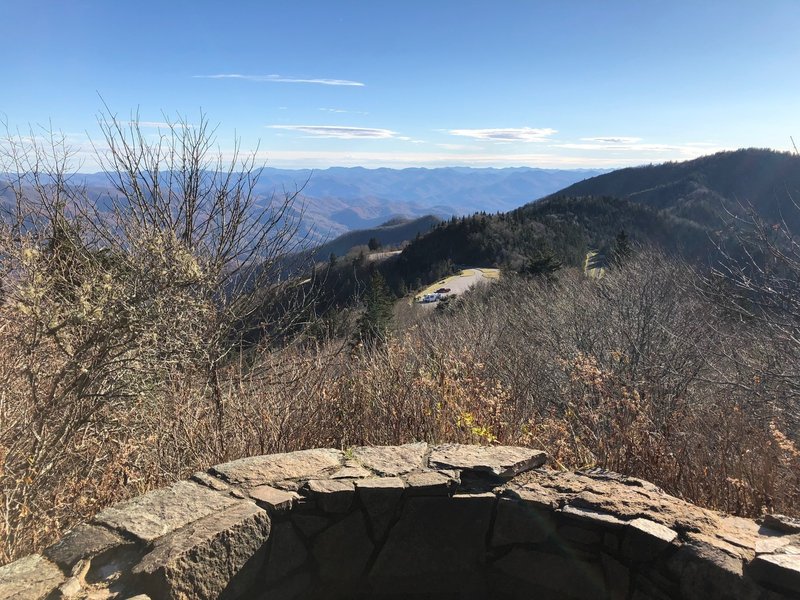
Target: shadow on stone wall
[{"x": 413, "y": 521}]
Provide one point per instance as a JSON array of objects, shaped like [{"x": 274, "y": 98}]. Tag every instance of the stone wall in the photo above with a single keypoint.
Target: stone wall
[{"x": 413, "y": 521}]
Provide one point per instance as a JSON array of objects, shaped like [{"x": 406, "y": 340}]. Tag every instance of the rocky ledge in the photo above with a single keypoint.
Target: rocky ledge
[{"x": 412, "y": 521}]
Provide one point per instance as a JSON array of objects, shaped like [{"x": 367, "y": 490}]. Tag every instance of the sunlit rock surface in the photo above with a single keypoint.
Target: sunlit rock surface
[{"x": 413, "y": 521}]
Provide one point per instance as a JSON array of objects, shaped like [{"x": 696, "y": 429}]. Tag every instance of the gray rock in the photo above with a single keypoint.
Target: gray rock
[
  {"x": 83, "y": 541},
  {"x": 219, "y": 556},
  {"x": 332, "y": 495},
  {"x": 519, "y": 522},
  {"x": 773, "y": 543},
  {"x": 71, "y": 588},
  {"x": 273, "y": 499},
  {"x": 592, "y": 517},
  {"x": 585, "y": 536},
  {"x": 352, "y": 469},
  {"x": 287, "y": 552},
  {"x": 308, "y": 524},
  {"x": 645, "y": 539},
  {"x": 782, "y": 523},
  {"x": 623, "y": 497},
  {"x": 617, "y": 577},
  {"x": 706, "y": 571},
  {"x": 272, "y": 468},
  {"x": 509, "y": 587},
  {"x": 392, "y": 460},
  {"x": 287, "y": 485},
  {"x": 343, "y": 550},
  {"x": 292, "y": 588},
  {"x": 535, "y": 495},
  {"x": 611, "y": 542},
  {"x": 501, "y": 461},
  {"x": 387, "y": 484},
  {"x": 30, "y": 578},
  {"x": 113, "y": 568},
  {"x": 203, "y": 543},
  {"x": 429, "y": 483},
  {"x": 655, "y": 588},
  {"x": 777, "y": 570},
  {"x": 435, "y": 541},
  {"x": 351, "y": 473},
  {"x": 210, "y": 481},
  {"x": 380, "y": 497},
  {"x": 642, "y": 595},
  {"x": 158, "y": 513},
  {"x": 562, "y": 574}
]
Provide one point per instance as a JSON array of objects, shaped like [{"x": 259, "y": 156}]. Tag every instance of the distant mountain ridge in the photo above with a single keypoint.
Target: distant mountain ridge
[
  {"x": 391, "y": 233},
  {"x": 706, "y": 190},
  {"x": 683, "y": 208},
  {"x": 340, "y": 199}
]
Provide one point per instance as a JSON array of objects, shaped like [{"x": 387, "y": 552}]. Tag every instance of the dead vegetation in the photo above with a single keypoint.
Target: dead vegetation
[{"x": 120, "y": 369}]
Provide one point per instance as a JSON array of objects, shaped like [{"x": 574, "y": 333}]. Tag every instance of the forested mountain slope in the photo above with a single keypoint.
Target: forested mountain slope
[
  {"x": 682, "y": 208},
  {"x": 706, "y": 189},
  {"x": 391, "y": 233}
]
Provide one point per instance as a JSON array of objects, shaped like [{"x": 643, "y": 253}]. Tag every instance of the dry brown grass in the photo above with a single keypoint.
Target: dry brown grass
[
  {"x": 631, "y": 373},
  {"x": 121, "y": 369}
]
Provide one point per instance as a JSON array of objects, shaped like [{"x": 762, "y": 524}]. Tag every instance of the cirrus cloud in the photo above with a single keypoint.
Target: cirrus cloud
[
  {"x": 339, "y": 131},
  {"x": 612, "y": 139},
  {"x": 625, "y": 145},
  {"x": 343, "y": 111},
  {"x": 282, "y": 79},
  {"x": 508, "y": 134}
]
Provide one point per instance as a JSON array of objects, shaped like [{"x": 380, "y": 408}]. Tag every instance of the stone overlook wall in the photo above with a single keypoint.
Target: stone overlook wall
[{"x": 413, "y": 521}]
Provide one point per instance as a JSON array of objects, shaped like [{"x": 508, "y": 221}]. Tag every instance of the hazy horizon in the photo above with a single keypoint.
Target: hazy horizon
[{"x": 323, "y": 84}]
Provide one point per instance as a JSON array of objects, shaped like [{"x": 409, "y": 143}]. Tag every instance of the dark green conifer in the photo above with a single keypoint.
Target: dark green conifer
[
  {"x": 373, "y": 327},
  {"x": 621, "y": 248}
]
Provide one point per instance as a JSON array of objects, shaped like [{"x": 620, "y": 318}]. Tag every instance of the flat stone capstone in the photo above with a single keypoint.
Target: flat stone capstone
[{"x": 411, "y": 521}]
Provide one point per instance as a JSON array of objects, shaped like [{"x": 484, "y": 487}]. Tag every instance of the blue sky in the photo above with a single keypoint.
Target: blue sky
[{"x": 561, "y": 83}]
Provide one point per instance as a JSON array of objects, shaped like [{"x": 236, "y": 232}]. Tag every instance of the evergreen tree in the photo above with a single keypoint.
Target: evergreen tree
[
  {"x": 373, "y": 244},
  {"x": 544, "y": 264},
  {"x": 373, "y": 327},
  {"x": 621, "y": 247},
  {"x": 402, "y": 288},
  {"x": 360, "y": 260}
]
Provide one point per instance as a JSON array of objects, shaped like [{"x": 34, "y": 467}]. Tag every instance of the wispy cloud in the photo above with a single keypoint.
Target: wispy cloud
[
  {"x": 343, "y": 111},
  {"x": 281, "y": 79},
  {"x": 626, "y": 145},
  {"x": 510, "y": 134},
  {"x": 321, "y": 159},
  {"x": 459, "y": 147},
  {"x": 612, "y": 140},
  {"x": 341, "y": 132}
]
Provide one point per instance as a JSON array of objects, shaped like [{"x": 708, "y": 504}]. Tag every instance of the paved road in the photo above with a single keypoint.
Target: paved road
[{"x": 460, "y": 283}]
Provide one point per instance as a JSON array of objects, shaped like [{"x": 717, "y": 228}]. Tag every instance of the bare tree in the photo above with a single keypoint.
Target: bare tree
[
  {"x": 182, "y": 194},
  {"x": 757, "y": 285},
  {"x": 106, "y": 295}
]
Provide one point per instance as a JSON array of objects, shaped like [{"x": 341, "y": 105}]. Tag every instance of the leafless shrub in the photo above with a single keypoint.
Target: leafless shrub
[
  {"x": 633, "y": 373},
  {"x": 122, "y": 363},
  {"x": 107, "y": 300},
  {"x": 757, "y": 286}
]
